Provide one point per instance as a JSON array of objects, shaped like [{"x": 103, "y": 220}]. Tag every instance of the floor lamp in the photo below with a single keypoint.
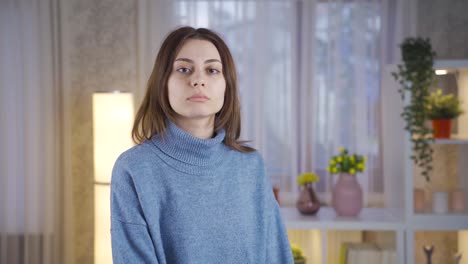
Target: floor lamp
[{"x": 112, "y": 123}]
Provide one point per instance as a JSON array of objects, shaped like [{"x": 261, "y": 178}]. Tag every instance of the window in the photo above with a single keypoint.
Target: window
[{"x": 302, "y": 97}]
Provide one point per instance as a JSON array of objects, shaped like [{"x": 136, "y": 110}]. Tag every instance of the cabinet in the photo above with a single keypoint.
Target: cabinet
[
  {"x": 402, "y": 227},
  {"x": 450, "y": 172}
]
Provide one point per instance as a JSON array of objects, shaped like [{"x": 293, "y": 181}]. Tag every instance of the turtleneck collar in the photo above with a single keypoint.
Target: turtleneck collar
[{"x": 181, "y": 148}]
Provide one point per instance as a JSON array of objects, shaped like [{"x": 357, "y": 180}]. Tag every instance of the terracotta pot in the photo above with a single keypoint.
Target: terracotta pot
[
  {"x": 308, "y": 203},
  {"x": 442, "y": 128},
  {"x": 347, "y": 196}
]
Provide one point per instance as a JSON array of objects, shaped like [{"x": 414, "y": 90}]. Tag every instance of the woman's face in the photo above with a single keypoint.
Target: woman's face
[{"x": 196, "y": 84}]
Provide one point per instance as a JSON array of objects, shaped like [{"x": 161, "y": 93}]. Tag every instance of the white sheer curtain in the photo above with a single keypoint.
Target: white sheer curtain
[
  {"x": 309, "y": 75},
  {"x": 346, "y": 98},
  {"x": 354, "y": 41},
  {"x": 265, "y": 48},
  {"x": 29, "y": 138}
]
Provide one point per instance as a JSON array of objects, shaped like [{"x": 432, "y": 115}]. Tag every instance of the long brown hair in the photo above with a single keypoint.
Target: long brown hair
[{"x": 155, "y": 108}]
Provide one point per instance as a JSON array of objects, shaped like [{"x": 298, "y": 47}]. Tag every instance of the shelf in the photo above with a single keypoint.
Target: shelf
[
  {"x": 369, "y": 219},
  {"x": 439, "y": 222},
  {"x": 450, "y": 64},
  {"x": 455, "y": 139}
]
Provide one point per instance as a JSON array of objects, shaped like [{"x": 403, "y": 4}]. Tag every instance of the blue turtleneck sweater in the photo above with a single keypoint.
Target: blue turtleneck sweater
[{"x": 180, "y": 199}]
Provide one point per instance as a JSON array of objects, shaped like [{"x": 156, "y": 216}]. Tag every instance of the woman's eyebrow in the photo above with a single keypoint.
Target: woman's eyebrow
[{"x": 191, "y": 61}]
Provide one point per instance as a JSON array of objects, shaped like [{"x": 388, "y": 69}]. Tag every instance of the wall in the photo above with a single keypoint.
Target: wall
[
  {"x": 446, "y": 24},
  {"x": 99, "y": 54}
]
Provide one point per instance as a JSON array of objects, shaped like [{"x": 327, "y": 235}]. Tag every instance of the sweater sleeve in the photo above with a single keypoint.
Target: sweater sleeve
[
  {"x": 278, "y": 250},
  {"x": 278, "y": 247},
  {"x": 131, "y": 241}
]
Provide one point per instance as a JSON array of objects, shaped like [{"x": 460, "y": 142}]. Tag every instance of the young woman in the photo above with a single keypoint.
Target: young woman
[{"x": 190, "y": 191}]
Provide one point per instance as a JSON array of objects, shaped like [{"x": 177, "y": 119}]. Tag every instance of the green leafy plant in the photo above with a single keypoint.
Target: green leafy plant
[
  {"x": 297, "y": 253},
  {"x": 440, "y": 106},
  {"x": 306, "y": 178},
  {"x": 415, "y": 76},
  {"x": 348, "y": 163}
]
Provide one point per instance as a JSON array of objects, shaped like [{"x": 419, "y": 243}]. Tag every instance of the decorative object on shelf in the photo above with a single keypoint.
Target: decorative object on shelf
[
  {"x": 428, "y": 250},
  {"x": 418, "y": 200},
  {"x": 307, "y": 203},
  {"x": 276, "y": 193},
  {"x": 441, "y": 109},
  {"x": 347, "y": 192},
  {"x": 276, "y": 182},
  {"x": 440, "y": 202},
  {"x": 299, "y": 257},
  {"x": 415, "y": 76},
  {"x": 457, "y": 257},
  {"x": 457, "y": 204}
]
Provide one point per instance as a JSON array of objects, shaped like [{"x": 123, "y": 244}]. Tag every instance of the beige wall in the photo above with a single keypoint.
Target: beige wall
[{"x": 99, "y": 54}]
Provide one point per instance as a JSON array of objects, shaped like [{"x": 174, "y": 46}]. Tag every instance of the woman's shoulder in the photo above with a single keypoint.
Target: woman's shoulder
[
  {"x": 135, "y": 156},
  {"x": 249, "y": 158}
]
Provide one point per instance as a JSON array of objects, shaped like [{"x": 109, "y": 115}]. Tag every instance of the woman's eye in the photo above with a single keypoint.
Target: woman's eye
[
  {"x": 183, "y": 70},
  {"x": 213, "y": 71}
]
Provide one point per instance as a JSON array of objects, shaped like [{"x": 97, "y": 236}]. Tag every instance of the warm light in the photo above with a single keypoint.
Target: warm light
[
  {"x": 112, "y": 124},
  {"x": 463, "y": 244},
  {"x": 440, "y": 72},
  {"x": 102, "y": 237}
]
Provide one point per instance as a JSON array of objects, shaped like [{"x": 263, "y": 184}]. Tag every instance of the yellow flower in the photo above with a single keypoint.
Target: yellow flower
[
  {"x": 332, "y": 162},
  {"x": 339, "y": 159},
  {"x": 296, "y": 251},
  {"x": 352, "y": 171},
  {"x": 360, "y": 166},
  {"x": 307, "y": 178},
  {"x": 352, "y": 159},
  {"x": 334, "y": 170},
  {"x": 341, "y": 149}
]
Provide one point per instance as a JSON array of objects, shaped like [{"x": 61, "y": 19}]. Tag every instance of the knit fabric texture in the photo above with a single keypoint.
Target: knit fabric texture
[{"x": 178, "y": 199}]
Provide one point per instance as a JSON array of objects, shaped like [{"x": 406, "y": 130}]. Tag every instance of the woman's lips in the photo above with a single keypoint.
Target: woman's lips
[{"x": 198, "y": 98}]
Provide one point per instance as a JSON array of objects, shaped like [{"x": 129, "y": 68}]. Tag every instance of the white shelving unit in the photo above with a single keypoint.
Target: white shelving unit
[
  {"x": 454, "y": 140},
  {"x": 398, "y": 214},
  {"x": 370, "y": 219},
  {"x": 440, "y": 222},
  {"x": 326, "y": 219}
]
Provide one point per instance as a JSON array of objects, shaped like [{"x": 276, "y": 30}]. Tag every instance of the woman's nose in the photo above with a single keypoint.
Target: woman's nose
[{"x": 198, "y": 81}]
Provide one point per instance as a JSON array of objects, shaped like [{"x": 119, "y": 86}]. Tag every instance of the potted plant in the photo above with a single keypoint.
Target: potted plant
[
  {"x": 299, "y": 257},
  {"x": 441, "y": 109},
  {"x": 347, "y": 193},
  {"x": 307, "y": 203},
  {"x": 415, "y": 76}
]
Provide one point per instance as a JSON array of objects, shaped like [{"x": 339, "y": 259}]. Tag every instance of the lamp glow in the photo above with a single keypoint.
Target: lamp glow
[
  {"x": 440, "y": 72},
  {"x": 112, "y": 124}
]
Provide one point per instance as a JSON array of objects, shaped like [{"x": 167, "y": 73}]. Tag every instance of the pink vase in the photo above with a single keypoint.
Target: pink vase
[{"x": 347, "y": 196}]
